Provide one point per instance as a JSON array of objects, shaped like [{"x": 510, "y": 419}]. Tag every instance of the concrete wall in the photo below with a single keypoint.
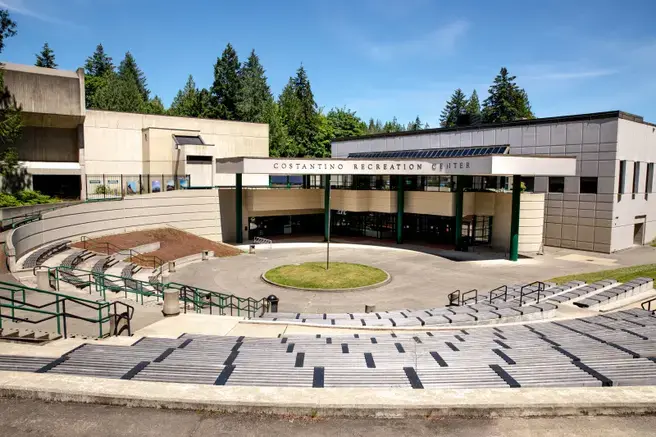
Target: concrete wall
[
  {"x": 363, "y": 200},
  {"x": 531, "y": 219},
  {"x": 429, "y": 202},
  {"x": 123, "y": 143},
  {"x": 48, "y": 144},
  {"x": 282, "y": 202},
  {"x": 636, "y": 143},
  {"x": 49, "y": 98},
  {"x": 195, "y": 211}
]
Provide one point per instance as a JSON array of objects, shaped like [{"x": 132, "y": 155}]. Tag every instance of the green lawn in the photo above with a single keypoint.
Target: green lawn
[
  {"x": 315, "y": 275},
  {"x": 621, "y": 275}
]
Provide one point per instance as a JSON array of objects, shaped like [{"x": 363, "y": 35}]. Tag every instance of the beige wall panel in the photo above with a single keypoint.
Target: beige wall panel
[
  {"x": 430, "y": 202},
  {"x": 484, "y": 203},
  {"x": 284, "y": 200}
]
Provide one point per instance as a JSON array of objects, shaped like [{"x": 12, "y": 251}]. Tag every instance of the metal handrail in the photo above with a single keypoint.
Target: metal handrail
[
  {"x": 201, "y": 298},
  {"x": 647, "y": 303},
  {"x": 504, "y": 293},
  {"x": 156, "y": 261},
  {"x": 464, "y": 301},
  {"x": 541, "y": 287},
  {"x": 59, "y": 312},
  {"x": 454, "y": 298}
]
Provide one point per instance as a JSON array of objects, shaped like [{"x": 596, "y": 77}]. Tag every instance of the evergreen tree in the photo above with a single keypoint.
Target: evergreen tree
[
  {"x": 279, "y": 144},
  {"x": 454, "y": 108},
  {"x": 374, "y": 127},
  {"x": 254, "y": 94},
  {"x": 154, "y": 106},
  {"x": 204, "y": 103},
  {"x": 345, "y": 123},
  {"x": 187, "y": 102},
  {"x": 473, "y": 108},
  {"x": 128, "y": 70},
  {"x": 225, "y": 89},
  {"x": 46, "y": 58},
  {"x": 99, "y": 63},
  {"x": 117, "y": 94},
  {"x": 301, "y": 116},
  {"x": 415, "y": 125},
  {"x": 506, "y": 101},
  {"x": 393, "y": 126}
]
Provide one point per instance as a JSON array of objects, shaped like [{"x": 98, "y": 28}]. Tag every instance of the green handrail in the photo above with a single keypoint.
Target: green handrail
[
  {"x": 218, "y": 300},
  {"x": 156, "y": 261}
]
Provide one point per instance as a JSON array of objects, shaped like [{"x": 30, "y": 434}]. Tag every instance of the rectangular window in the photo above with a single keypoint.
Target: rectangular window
[
  {"x": 649, "y": 184},
  {"x": 556, "y": 184},
  {"x": 620, "y": 188},
  {"x": 529, "y": 183},
  {"x": 636, "y": 178},
  {"x": 588, "y": 185}
]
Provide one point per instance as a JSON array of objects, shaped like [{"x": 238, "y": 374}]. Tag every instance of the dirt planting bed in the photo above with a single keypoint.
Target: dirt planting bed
[{"x": 174, "y": 243}]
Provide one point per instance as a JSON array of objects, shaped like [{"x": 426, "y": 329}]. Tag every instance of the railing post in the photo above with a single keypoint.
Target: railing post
[{"x": 64, "y": 317}]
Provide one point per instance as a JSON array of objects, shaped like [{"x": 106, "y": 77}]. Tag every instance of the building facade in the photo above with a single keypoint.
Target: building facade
[
  {"x": 608, "y": 206},
  {"x": 71, "y": 152}
]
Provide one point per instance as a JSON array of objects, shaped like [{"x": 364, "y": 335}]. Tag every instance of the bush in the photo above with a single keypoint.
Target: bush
[{"x": 25, "y": 197}]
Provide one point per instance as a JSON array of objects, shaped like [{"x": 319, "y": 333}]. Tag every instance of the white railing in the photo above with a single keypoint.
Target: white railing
[{"x": 260, "y": 240}]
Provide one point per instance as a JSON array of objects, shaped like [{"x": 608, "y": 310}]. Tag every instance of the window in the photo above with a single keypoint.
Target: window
[
  {"x": 620, "y": 188},
  {"x": 588, "y": 185},
  {"x": 529, "y": 183},
  {"x": 556, "y": 184},
  {"x": 649, "y": 180},
  {"x": 636, "y": 178}
]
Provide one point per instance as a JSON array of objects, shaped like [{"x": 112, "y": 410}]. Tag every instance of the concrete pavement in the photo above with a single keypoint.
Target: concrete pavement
[
  {"x": 419, "y": 279},
  {"x": 22, "y": 418}
]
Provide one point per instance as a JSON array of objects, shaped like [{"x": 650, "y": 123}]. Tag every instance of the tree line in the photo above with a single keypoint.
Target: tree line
[{"x": 297, "y": 125}]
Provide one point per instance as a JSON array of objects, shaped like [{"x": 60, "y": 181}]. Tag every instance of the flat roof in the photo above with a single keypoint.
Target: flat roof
[
  {"x": 490, "y": 165},
  {"x": 533, "y": 121},
  {"x": 39, "y": 70}
]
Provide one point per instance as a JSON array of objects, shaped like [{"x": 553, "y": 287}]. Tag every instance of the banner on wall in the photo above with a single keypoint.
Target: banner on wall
[
  {"x": 183, "y": 183},
  {"x": 155, "y": 186},
  {"x": 170, "y": 185},
  {"x": 132, "y": 187}
]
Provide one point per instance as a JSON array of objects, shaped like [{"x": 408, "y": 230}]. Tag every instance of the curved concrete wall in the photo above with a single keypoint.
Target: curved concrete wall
[{"x": 194, "y": 211}]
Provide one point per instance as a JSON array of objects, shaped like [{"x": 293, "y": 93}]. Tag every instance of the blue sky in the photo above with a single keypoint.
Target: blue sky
[{"x": 381, "y": 58}]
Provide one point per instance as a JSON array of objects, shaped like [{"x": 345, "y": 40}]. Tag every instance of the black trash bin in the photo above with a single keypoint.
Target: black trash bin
[{"x": 273, "y": 303}]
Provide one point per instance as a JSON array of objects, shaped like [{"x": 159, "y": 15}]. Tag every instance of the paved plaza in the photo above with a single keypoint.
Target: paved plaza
[{"x": 420, "y": 279}]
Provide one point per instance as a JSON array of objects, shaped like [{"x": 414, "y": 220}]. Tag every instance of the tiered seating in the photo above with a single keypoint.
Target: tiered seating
[
  {"x": 627, "y": 289},
  {"x": 72, "y": 261},
  {"x": 39, "y": 256},
  {"x": 103, "y": 264},
  {"x": 483, "y": 311},
  {"x": 605, "y": 350},
  {"x": 582, "y": 291}
]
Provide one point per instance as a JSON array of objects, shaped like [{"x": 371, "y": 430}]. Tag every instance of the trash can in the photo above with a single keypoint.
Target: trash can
[
  {"x": 251, "y": 249},
  {"x": 370, "y": 308},
  {"x": 273, "y": 303}
]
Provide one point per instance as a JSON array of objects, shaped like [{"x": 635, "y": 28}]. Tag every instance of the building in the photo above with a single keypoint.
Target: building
[
  {"x": 607, "y": 206},
  {"x": 72, "y": 152}
]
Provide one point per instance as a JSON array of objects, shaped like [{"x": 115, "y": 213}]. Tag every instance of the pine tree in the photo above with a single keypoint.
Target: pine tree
[
  {"x": 225, "y": 89},
  {"x": 415, "y": 125},
  {"x": 279, "y": 144},
  {"x": 99, "y": 63},
  {"x": 10, "y": 112},
  {"x": 506, "y": 101},
  {"x": 473, "y": 107},
  {"x": 393, "y": 126},
  {"x": 46, "y": 58},
  {"x": 129, "y": 70},
  {"x": 154, "y": 106},
  {"x": 254, "y": 94},
  {"x": 454, "y": 108},
  {"x": 117, "y": 94},
  {"x": 345, "y": 123},
  {"x": 187, "y": 102},
  {"x": 374, "y": 127}
]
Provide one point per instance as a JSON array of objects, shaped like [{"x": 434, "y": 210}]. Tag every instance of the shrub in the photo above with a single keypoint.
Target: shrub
[{"x": 25, "y": 197}]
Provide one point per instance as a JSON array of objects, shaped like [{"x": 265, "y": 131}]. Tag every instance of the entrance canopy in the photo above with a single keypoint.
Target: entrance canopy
[{"x": 493, "y": 165}]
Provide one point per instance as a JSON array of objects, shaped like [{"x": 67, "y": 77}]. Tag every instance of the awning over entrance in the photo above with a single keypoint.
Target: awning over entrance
[{"x": 493, "y": 165}]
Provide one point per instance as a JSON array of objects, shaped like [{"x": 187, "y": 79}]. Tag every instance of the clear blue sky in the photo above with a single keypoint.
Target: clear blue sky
[{"x": 381, "y": 58}]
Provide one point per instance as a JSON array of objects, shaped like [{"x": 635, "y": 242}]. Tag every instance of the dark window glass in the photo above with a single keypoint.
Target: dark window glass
[
  {"x": 636, "y": 178},
  {"x": 649, "y": 180},
  {"x": 556, "y": 184},
  {"x": 620, "y": 188},
  {"x": 588, "y": 185},
  {"x": 529, "y": 183}
]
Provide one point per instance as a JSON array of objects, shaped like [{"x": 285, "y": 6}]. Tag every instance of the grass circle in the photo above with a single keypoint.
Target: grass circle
[{"x": 313, "y": 275}]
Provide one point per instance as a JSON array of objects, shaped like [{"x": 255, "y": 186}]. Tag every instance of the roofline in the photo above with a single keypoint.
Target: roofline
[{"x": 534, "y": 121}]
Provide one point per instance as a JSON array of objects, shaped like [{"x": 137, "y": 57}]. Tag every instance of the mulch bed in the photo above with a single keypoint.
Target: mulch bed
[{"x": 174, "y": 243}]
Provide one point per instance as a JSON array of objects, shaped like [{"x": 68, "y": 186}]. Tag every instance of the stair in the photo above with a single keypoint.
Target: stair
[{"x": 27, "y": 336}]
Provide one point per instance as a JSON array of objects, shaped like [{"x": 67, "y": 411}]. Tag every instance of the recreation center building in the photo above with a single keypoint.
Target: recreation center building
[{"x": 582, "y": 181}]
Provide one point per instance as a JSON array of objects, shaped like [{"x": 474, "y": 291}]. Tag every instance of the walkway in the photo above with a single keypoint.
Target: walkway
[
  {"x": 23, "y": 418},
  {"x": 420, "y": 280}
]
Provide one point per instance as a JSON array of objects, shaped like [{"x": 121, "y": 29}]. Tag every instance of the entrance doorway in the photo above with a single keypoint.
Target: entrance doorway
[{"x": 639, "y": 234}]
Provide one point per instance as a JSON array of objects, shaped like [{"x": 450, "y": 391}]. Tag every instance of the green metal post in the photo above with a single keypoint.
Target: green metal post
[
  {"x": 458, "y": 212},
  {"x": 238, "y": 206},
  {"x": 514, "y": 218},
  {"x": 326, "y": 207},
  {"x": 400, "y": 204}
]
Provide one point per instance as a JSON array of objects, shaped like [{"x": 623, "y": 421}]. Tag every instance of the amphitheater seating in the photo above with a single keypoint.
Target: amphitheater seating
[
  {"x": 103, "y": 264},
  {"x": 72, "y": 261},
  {"x": 605, "y": 350},
  {"x": 626, "y": 289},
  {"x": 39, "y": 256}
]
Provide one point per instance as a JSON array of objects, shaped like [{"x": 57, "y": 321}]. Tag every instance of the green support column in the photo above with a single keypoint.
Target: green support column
[
  {"x": 462, "y": 182},
  {"x": 400, "y": 205},
  {"x": 326, "y": 207},
  {"x": 514, "y": 218},
  {"x": 238, "y": 207}
]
